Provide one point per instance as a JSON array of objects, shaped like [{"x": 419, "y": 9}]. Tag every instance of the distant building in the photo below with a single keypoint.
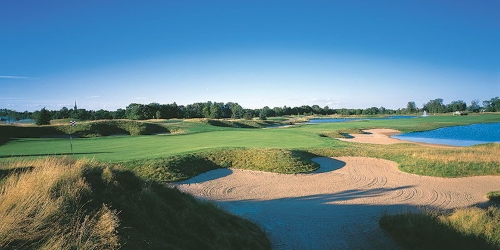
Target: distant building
[{"x": 75, "y": 108}]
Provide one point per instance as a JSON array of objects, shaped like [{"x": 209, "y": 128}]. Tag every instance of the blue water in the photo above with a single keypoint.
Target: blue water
[
  {"x": 330, "y": 120},
  {"x": 458, "y": 135}
]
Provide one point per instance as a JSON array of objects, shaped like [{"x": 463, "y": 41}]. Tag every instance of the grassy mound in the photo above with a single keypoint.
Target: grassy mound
[
  {"x": 114, "y": 127},
  {"x": 85, "y": 129},
  {"x": 241, "y": 123},
  {"x": 182, "y": 167},
  {"x": 467, "y": 228},
  {"x": 270, "y": 160},
  {"x": 60, "y": 203}
]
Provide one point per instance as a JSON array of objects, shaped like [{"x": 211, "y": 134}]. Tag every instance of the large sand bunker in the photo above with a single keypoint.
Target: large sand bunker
[{"x": 339, "y": 206}]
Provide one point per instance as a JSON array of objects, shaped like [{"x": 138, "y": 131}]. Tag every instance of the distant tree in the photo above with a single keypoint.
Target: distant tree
[
  {"x": 371, "y": 111},
  {"x": 474, "y": 106},
  {"x": 263, "y": 113},
  {"x": 492, "y": 105},
  {"x": 42, "y": 117},
  {"x": 457, "y": 106},
  {"x": 236, "y": 110},
  {"x": 64, "y": 113},
  {"x": 411, "y": 107},
  {"x": 316, "y": 109},
  {"x": 435, "y": 106},
  {"x": 135, "y": 111},
  {"x": 118, "y": 114},
  {"x": 206, "y": 109},
  {"x": 216, "y": 110},
  {"x": 248, "y": 114},
  {"x": 102, "y": 114}
]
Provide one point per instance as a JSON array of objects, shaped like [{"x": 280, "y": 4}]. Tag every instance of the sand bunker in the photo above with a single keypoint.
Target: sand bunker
[
  {"x": 339, "y": 206},
  {"x": 375, "y": 136}
]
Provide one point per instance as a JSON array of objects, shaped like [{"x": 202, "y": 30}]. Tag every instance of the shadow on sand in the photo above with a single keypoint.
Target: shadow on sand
[
  {"x": 327, "y": 164},
  {"x": 208, "y": 176},
  {"x": 323, "y": 221}
]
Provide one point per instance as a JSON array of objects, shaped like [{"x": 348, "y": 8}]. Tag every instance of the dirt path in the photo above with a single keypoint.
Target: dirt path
[{"x": 339, "y": 206}]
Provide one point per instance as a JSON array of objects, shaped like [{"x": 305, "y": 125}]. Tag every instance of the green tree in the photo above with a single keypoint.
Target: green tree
[
  {"x": 474, "y": 106},
  {"x": 216, "y": 110},
  {"x": 435, "y": 106},
  {"x": 263, "y": 113},
  {"x": 492, "y": 105},
  {"x": 457, "y": 106},
  {"x": 236, "y": 110},
  {"x": 411, "y": 107},
  {"x": 135, "y": 111},
  {"x": 42, "y": 117},
  {"x": 64, "y": 113}
]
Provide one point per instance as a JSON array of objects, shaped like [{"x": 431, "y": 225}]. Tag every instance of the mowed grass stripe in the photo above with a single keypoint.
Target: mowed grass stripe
[{"x": 118, "y": 149}]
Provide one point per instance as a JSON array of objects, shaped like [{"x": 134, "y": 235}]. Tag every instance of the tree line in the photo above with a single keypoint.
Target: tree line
[{"x": 218, "y": 110}]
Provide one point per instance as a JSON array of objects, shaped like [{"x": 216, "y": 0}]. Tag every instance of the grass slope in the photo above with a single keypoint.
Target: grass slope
[
  {"x": 83, "y": 129},
  {"x": 60, "y": 203},
  {"x": 466, "y": 228},
  {"x": 181, "y": 167}
]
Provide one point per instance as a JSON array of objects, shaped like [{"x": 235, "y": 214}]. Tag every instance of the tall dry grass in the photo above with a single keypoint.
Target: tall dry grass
[
  {"x": 464, "y": 228},
  {"x": 61, "y": 203},
  {"x": 42, "y": 208}
]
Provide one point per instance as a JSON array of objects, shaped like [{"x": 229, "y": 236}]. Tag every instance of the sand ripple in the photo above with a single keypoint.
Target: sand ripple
[{"x": 338, "y": 206}]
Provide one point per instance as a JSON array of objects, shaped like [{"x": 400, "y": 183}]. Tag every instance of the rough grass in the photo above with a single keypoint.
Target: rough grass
[
  {"x": 494, "y": 196},
  {"x": 466, "y": 228},
  {"x": 60, "y": 203},
  {"x": 181, "y": 167},
  {"x": 427, "y": 160}
]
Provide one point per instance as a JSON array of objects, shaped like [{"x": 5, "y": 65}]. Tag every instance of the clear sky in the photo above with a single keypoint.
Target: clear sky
[{"x": 352, "y": 54}]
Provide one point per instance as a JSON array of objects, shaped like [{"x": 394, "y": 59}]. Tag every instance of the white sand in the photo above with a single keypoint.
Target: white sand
[
  {"x": 375, "y": 136},
  {"x": 339, "y": 206}
]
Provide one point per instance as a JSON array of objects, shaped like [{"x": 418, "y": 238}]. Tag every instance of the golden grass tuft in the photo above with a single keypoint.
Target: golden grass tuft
[
  {"x": 38, "y": 207},
  {"x": 483, "y": 223},
  {"x": 464, "y": 228}
]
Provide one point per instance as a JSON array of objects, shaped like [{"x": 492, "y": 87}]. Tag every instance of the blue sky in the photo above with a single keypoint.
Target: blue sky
[{"x": 353, "y": 54}]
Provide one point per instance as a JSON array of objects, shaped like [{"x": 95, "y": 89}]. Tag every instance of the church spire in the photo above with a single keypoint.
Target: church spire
[{"x": 75, "y": 106}]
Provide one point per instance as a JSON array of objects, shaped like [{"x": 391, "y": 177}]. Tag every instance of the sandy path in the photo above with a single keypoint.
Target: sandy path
[{"x": 337, "y": 207}]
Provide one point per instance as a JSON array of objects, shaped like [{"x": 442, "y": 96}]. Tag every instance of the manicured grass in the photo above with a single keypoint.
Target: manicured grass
[
  {"x": 125, "y": 148},
  {"x": 198, "y": 136}
]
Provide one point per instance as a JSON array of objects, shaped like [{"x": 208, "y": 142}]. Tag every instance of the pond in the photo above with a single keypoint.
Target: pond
[
  {"x": 467, "y": 135},
  {"x": 350, "y": 119}
]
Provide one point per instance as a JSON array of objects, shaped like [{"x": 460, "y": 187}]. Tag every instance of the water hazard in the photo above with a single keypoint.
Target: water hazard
[{"x": 467, "y": 135}]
